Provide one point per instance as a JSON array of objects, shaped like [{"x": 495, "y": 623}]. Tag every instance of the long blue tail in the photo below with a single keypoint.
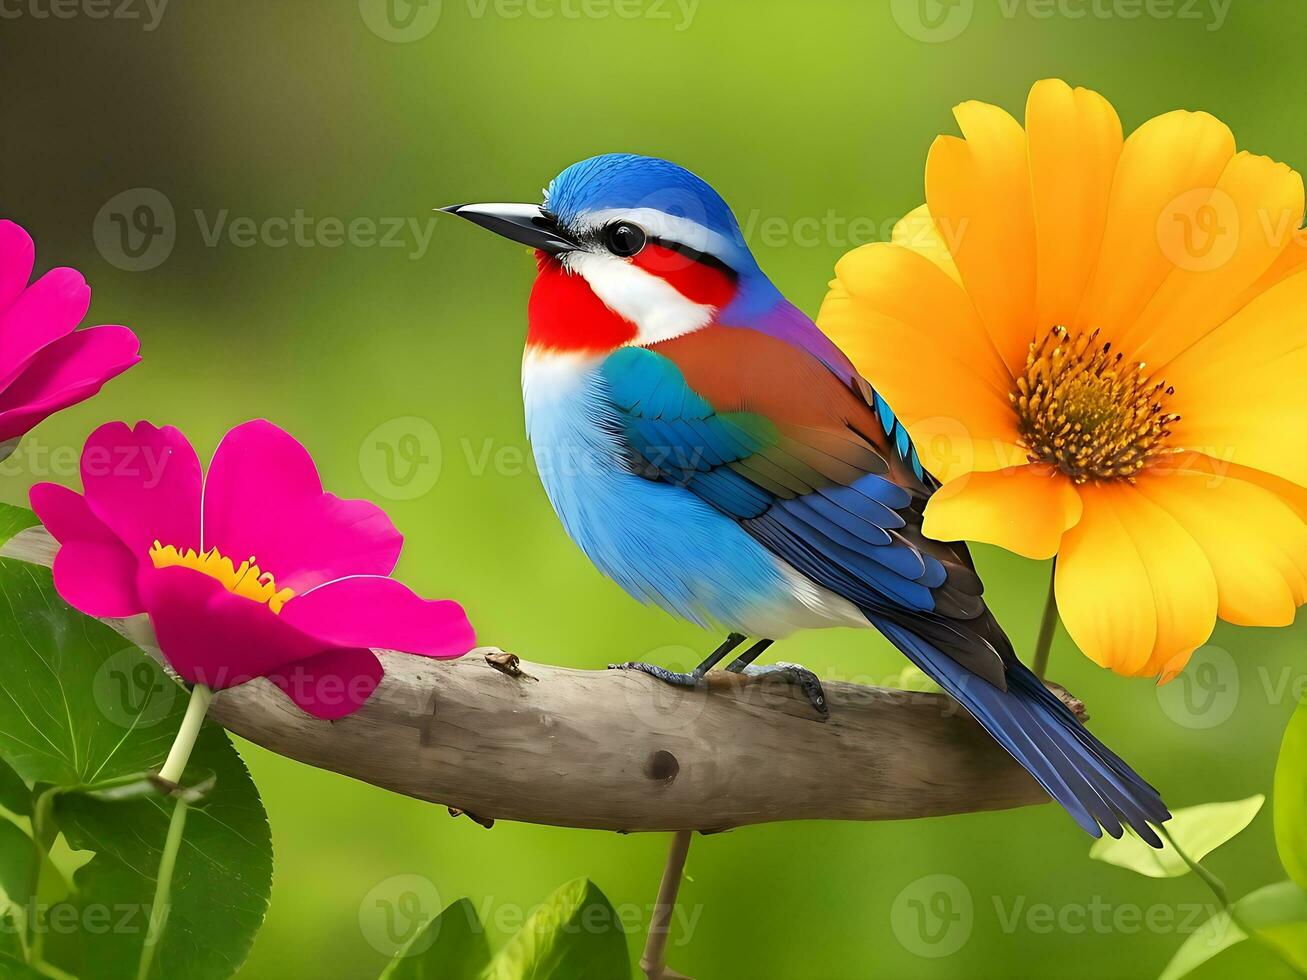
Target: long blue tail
[{"x": 1031, "y": 722}]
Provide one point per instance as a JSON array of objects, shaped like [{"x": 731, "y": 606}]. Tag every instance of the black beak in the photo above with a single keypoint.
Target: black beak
[{"x": 525, "y": 223}]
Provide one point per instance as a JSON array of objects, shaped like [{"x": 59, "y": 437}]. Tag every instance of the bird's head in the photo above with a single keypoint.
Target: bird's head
[{"x": 631, "y": 250}]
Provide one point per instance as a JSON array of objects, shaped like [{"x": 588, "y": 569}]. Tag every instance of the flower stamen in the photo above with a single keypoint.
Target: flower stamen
[
  {"x": 1087, "y": 411},
  {"x": 247, "y": 580}
]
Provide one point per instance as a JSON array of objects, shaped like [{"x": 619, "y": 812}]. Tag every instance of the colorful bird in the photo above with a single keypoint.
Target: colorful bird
[{"x": 716, "y": 454}]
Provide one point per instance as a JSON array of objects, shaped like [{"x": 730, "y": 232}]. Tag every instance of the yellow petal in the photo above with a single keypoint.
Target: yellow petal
[
  {"x": 917, "y": 230},
  {"x": 1075, "y": 142},
  {"x": 1250, "y": 214},
  {"x": 1162, "y": 165},
  {"x": 1241, "y": 391},
  {"x": 911, "y": 332},
  {"x": 1025, "y": 509},
  {"x": 1255, "y": 542},
  {"x": 978, "y": 190},
  {"x": 1134, "y": 589}
]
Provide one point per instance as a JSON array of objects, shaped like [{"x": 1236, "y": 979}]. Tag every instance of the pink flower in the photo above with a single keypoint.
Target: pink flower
[
  {"x": 252, "y": 571},
  {"x": 45, "y": 363}
]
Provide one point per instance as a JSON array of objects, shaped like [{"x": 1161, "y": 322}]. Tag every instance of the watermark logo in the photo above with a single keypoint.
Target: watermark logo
[
  {"x": 147, "y": 12},
  {"x": 400, "y": 21},
  {"x": 933, "y": 916},
  {"x": 1199, "y": 230},
  {"x": 395, "y": 910},
  {"x": 136, "y": 230},
  {"x": 132, "y": 692},
  {"x": 932, "y": 21},
  {"x": 1206, "y": 692},
  {"x": 400, "y": 459}
]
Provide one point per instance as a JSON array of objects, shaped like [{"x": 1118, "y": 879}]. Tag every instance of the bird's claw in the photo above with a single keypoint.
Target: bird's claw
[
  {"x": 801, "y": 677},
  {"x": 662, "y": 673}
]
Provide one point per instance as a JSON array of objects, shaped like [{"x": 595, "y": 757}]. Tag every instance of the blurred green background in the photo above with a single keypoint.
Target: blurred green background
[{"x": 813, "y": 120}]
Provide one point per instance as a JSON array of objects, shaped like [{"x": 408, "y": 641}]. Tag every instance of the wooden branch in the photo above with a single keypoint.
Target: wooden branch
[{"x": 496, "y": 738}]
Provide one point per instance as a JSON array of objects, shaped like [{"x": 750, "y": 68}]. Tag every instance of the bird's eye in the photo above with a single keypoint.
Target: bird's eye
[{"x": 624, "y": 239}]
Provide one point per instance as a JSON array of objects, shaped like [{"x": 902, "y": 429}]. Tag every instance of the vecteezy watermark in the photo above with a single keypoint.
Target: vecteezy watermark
[
  {"x": 132, "y": 692},
  {"x": 933, "y": 916},
  {"x": 937, "y": 21},
  {"x": 68, "y": 918},
  {"x": 400, "y": 21},
  {"x": 403, "y": 21},
  {"x": 1205, "y": 693},
  {"x": 148, "y": 12},
  {"x": 400, "y": 459},
  {"x": 395, "y": 910},
  {"x": 136, "y": 230}
]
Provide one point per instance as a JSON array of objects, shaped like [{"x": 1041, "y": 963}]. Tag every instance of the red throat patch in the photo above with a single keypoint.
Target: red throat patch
[{"x": 565, "y": 314}]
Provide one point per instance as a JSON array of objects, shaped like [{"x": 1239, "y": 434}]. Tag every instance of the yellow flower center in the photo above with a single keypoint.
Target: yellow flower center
[
  {"x": 1087, "y": 411},
  {"x": 246, "y": 580}
]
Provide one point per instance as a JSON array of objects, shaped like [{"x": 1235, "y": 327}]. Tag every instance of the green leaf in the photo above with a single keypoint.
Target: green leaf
[
  {"x": 15, "y": 796},
  {"x": 1277, "y": 913},
  {"x": 574, "y": 935},
  {"x": 220, "y": 886},
  {"x": 1290, "y": 797},
  {"x": 18, "y": 859},
  {"x": 84, "y": 713},
  {"x": 78, "y": 703},
  {"x": 14, "y": 519},
  {"x": 452, "y": 947},
  {"x": 1199, "y": 830}
]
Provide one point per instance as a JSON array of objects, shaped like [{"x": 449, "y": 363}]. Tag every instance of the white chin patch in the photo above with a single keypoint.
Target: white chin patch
[{"x": 653, "y": 305}]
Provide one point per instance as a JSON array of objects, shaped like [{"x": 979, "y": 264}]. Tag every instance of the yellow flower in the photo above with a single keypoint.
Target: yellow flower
[{"x": 1099, "y": 346}]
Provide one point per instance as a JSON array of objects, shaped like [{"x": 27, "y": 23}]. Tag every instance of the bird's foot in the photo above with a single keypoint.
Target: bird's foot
[
  {"x": 678, "y": 678},
  {"x": 801, "y": 677}
]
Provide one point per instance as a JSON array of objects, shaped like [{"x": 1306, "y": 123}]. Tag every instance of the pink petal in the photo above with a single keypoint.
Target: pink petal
[
  {"x": 97, "y": 578},
  {"x": 332, "y": 684},
  {"x": 70, "y": 370},
  {"x": 215, "y": 637},
  {"x": 372, "y": 611},
  {"x": 263, "y": 497},
  {"x": 48, "y": 309},
  {"x": 145, "y": 484},
  {"x": 93, "y": 572},
  {"x": 17, "y": 256}
]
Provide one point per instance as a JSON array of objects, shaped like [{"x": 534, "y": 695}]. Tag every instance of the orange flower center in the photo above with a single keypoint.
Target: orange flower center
[
  {"x": 246, "y": 580},
  {"x": 1087, "y": 411}
]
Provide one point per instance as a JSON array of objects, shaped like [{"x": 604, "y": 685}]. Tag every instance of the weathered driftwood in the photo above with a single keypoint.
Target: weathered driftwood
[{"x": 501, "y": 739}]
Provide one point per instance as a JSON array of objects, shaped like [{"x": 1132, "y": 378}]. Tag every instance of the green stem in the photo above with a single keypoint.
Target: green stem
[
  {"x": 1217, "y": 888},
  {"x": 1047, "y": 627},
  {"x": 163, "y": 888},
  {"x": 180, "y": 753},
  {"x": 171, "y": 773}
]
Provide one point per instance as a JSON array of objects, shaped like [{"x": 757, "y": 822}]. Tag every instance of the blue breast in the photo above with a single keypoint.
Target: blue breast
[{"x": 659, "y": 542}]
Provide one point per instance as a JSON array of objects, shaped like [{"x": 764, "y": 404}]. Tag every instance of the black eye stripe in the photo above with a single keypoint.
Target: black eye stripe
[{"x": 703, "y": 258}]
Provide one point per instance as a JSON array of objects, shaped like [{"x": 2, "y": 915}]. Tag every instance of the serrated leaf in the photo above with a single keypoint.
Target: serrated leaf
[
  {"x": 574, "y": 934},
  {"x": 14, "y": 519},
  {"x": 78, "y": 703},
  {"x": 1278, "y": 913},
  {"x": 82, "y": 709},
  {"x": 1199, "y": 830},
  {"x": 220, "y": 886},
  {"x": 1290, "y": 797},
  {"x": 452, "y": 947}
]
